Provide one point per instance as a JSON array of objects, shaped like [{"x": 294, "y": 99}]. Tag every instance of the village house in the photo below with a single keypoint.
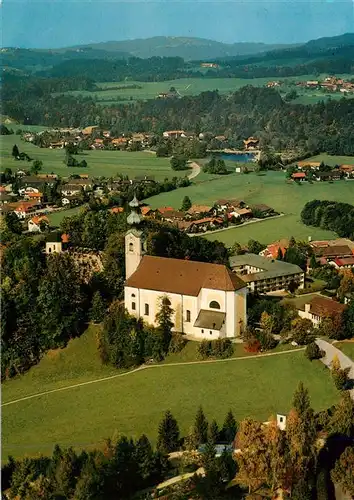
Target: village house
[
  {"x": 174, "y": 134},
  {"x": 333, "y": 175},
  {"x": 319, "y": 308},
  {"x": 24, "y": 208},
  {"x": 70, "y": 190},
  {"x": 119, "y": 142},
  {"x": 200, "y": 209},
  {"x": 208, "y": 300},
  {"x": 98, "y": 144},
  {"x": 299, "y": 176},
  {"x": 205, "y": 224},
  {"x": 343, "y": 263},
  {"x": 5, "y": 198},
  {"x": 251, "y": 143},
  {"x": 309, "y": 165},
  {"x": 271, "y": 251},
  {"x": 325, "y": 254},
  {"x": 35, "y": 196},
  {"x": 261, "y": 210},
  {"x": 116, "y": 210},
  {"x": 36, "y": 223},
  {"x": 72, "y": 200},
  {"x": 264, "y": 275},
  {"x": 89, "y": 130},
  {"x": 347, "y": 171},
  {"x": 239, "y": 213}
]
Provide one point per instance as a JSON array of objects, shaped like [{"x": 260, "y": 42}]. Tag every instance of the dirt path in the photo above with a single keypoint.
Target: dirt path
[
  {"x": 147, "y": 367},
  {"x": 195, "y": 170}
]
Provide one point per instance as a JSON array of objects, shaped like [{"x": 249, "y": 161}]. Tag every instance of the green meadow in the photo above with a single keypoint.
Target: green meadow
[
  {"x": 115, "y": 92},
  {"x": 133, "y": 404},
  {"x": 100, "y": 163},
  {"x": 270, "y": 188}
]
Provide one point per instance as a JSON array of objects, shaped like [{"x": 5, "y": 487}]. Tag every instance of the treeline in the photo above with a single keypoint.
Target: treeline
[
  {"x": 250, "y": 111},
  {"x": 153, "y": 69},
  {"x": 292, "y": 459},
  {"x": 332, "y": 215}
]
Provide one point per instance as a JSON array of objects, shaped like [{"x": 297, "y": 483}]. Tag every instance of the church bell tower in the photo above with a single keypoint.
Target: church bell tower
[{"x": 134, "y": 250}]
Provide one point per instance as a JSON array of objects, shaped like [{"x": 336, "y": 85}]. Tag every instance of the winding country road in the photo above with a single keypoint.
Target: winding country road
[
  {"x": 332, "y": 351},
  {"x": 147, "y": 367},
  {"x": 195, "y": 170}
]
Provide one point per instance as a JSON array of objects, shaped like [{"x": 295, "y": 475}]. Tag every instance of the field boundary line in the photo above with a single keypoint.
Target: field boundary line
[{"x": 148, "y": 367}]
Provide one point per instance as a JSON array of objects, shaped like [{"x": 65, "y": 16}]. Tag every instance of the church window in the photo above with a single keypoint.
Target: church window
[
  {"x": 133, "y": 294},
  {"x": 188, "y": 316},
  {"x": 214, "y": 305},
  {"x": 202, "y": 331},
  {"x": 131, "y": 247},
  {"x": 133, "y": 306},
  {"x": 49, "y": 250},
  {"x": 211, "y": 333},
  {"x": 146, "y": 309}
]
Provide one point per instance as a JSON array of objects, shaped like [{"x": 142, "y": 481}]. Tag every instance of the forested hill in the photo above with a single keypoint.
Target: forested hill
[
  {"x": 249, "y": 111},
  {"x": 189, "y": 48},
  {"x": 109, "y": 62}
]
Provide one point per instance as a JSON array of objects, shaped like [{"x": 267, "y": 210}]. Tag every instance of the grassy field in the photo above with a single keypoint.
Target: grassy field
[
  {"x": 56, "y": 217},
  {"x": 115, "y": 92},
  {"x": 100, "y": 163},
  {"x": 333, "y": 159},
  {"x": 347, "y": 348},
  {"x": 133, "y": 404},
  {"x": 271, "y": 189}
]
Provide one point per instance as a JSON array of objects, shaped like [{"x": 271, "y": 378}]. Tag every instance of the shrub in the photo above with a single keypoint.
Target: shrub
[
  {"x": 253, "y": 345},
  {"x": 312, "y": 351},
  {"x": 340, "y": 378},
  {"x": 220, "y": 348},
  {"x": 204, "y": 349},
  {"x": 267, "y": 341},
  {"x": 177, "y": 342}
]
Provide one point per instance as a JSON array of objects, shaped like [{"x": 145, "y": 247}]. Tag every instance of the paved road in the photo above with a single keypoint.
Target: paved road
[
  {"x": 332, "y": 351},
  {"x": 146, "y": 367}
]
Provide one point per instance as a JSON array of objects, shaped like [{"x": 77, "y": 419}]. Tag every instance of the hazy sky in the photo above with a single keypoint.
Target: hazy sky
[{"x": 60, "y": 23}]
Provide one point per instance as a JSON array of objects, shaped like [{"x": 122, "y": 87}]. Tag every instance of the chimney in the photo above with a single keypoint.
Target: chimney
[{"x": 307, "y": 308}]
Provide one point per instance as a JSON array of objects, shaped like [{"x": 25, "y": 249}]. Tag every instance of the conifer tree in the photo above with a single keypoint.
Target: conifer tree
[
  {"x": 229, "y": 428},
  {"x": 98, "y": 308},
  {"x": 165, "y": 324},
  {"x": 15, "y": 151},
  {"x": 200, "y": 429},
  {"x": 213, "y": 432},
  {"x": 186, "y": 204},
  {"x": 168, "y": 434}
]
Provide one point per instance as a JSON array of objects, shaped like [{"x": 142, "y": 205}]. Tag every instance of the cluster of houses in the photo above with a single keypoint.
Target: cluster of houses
[
  {"x": 202, "y": 218},
  {"x": 331, "y": 84},
  {"x": 95, "y": 138},
  {"x": 314, "y": 171}
]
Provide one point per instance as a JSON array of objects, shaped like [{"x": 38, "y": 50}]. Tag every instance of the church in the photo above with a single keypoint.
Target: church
[{"x": 208, "y": 300}]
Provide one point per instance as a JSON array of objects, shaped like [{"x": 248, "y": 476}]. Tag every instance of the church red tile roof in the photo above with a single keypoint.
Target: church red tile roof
[{"x": 184, "y": 277}]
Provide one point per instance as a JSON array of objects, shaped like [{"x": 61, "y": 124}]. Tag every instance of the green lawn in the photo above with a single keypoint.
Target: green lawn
[
  {"x": 271, "y": 189},
  {"x": 333, "y": 160},
  {"x": 347, "y": 348},
  {"x": 135, "y": 403},
  {"x": 56, "y": 217},
  {"x": 100, "y": 163}
]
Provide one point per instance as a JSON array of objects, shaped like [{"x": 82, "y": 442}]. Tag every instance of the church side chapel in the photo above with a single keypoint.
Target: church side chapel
[{"x": 208, "y": 300}]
